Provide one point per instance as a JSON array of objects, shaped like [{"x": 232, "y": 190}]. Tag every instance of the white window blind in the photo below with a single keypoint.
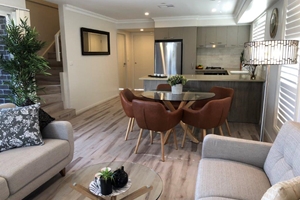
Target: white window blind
[
  {"x": 258, "y": 30},
  {"x": 288, "y": 94}
]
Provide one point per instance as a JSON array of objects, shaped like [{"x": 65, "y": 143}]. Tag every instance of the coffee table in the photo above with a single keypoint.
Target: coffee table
[{"x": 146, "y": 183}]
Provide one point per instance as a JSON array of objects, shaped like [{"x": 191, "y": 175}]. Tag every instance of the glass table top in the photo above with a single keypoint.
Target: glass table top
[
  {"x": 139, "y": 175},
  {"x": 185, "y": 96}
]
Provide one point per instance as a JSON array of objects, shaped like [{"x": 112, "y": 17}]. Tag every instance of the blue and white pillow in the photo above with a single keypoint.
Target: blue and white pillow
[{"x": 20, "y": 127}]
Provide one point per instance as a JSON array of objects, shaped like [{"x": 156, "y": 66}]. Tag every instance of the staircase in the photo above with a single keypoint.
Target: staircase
[{"x": 51, "y": 98}]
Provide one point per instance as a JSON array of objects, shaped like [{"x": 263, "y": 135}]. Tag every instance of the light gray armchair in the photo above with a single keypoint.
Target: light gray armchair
[{"x": 233, "y": 168}]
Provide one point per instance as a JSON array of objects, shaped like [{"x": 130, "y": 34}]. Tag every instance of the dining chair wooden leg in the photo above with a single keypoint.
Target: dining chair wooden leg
[
  {"x": 175, "y": 138},
  {"x": 228, "y": 128},
  {"x": 128, "y": 128},
  {"x": 221, "y": 131},
  {"x": 162, "y": 146},
  {"x": 132, "y": 123},
  {"x": 138, "y": 141},
  {"x": 184, "y": 136},
  {"x": 151, "y": 137},
  {"x": 204, "y": 133},
  {"x": 167, "y": 136},
  {"x": 212, "y": 131}
]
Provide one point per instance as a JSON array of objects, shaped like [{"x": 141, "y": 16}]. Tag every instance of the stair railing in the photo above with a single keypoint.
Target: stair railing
[
  {"x": 55, "y": 42},
  {"x": 57, "y": 46}
]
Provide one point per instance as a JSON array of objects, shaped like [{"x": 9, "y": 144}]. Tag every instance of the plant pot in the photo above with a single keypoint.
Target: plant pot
[
  {"x": 120, "y": 178},
  {"x": 177, "y": 89},
  {"x": 106, "y": 186}
]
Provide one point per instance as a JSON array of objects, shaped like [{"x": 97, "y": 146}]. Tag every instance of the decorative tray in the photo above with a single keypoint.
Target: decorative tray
[
  {"x": 158, "y": 76},
  {"x": 96, "y": 190}
]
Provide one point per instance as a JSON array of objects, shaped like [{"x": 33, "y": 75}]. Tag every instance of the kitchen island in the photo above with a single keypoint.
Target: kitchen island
[{"x": 248, "y": 93}]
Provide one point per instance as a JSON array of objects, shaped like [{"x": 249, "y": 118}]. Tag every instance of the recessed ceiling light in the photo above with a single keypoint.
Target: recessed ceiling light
[
  {"x": 146, "y": 13},
  {"x": 141, "y": 29},
  {"x": 213, "y": 10}
]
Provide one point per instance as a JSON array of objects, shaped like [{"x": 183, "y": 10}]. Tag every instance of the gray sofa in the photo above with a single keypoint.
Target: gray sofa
[
  {"x": 22, "y": 170},
  {"x": 233, "y": 168}
]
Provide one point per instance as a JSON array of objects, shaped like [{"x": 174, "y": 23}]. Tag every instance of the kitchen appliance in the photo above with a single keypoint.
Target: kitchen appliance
[
  {"x": 168, "y": 57},
  {"x": 212, "y": 71}
]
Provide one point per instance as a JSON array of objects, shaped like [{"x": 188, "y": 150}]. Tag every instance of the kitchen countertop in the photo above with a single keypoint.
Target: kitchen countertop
[{"x": 198, "y": 77}]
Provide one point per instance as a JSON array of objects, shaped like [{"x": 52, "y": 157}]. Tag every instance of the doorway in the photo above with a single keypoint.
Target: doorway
[
  {"x": 143, "y": 56},
  {"x": 122, "y": 65}
]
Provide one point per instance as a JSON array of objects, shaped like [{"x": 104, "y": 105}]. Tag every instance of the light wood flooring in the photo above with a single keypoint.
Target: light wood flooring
[{"x": 99, "y": 137}]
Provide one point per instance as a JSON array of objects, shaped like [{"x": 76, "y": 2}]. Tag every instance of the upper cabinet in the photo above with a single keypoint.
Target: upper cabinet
[
  {"x": 201, "y": 37},
  {"x": 232, "y": 33},
  {"x": 222, "y": 36},
  {"x": 168, "y": 33}
]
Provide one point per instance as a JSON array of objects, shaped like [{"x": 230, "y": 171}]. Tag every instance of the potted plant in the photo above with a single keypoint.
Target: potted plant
[
  {"x": 21, "y": 41},
  {"x": 106, "y": 179},
  {"x": 176, "y": 83}
]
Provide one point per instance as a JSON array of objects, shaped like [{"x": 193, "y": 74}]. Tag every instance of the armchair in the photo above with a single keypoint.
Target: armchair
[{"x": 233, "y": 168}]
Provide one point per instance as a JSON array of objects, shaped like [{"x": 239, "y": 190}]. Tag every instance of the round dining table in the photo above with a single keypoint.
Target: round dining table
[{"x": 186, "y": 98}]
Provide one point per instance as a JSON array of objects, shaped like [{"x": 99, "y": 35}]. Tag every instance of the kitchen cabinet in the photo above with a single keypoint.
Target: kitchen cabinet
[
  {"x": 232, "y": 33},
  {"x": 189, "y": 57},
  {"x": 210, "y": 35},
  {"x": 221, "y": 35},
  {"x": 201, "y": 37},
  {"x": 168, "y": 33},
  {"x": 228, "y": 36},
  {"x": 243, "y": 35}
]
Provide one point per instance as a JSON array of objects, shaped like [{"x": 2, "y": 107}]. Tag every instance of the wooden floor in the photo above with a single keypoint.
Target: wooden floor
[{"x": 99, "y": 137}]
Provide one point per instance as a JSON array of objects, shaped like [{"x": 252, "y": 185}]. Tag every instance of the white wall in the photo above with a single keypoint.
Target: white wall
[
  {"x": 88, "y": 80},
  {"x": 270, "y": 132},
  {"x": 14, "y": 3}
]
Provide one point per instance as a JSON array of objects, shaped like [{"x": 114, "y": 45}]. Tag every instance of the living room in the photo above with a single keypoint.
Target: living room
[{"x": 98, "y": 83}]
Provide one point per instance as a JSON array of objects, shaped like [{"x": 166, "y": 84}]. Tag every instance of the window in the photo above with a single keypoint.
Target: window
[
  {"x": 288, "y": 90},
  {"x": 258, "y": 30}
]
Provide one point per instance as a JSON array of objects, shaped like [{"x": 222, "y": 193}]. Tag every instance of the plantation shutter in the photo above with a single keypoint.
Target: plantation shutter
[
  {"x": 258, "y": 31},
  {"x": 288, "y": 94}
]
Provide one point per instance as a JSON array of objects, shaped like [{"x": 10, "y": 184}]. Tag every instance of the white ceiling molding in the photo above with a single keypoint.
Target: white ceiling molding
[
  {"x": 88, "y": 13},
  {"x": 241, "y": 7},
  {"x": 185, "y": 21},
  {"x": 134, "y": 24}
]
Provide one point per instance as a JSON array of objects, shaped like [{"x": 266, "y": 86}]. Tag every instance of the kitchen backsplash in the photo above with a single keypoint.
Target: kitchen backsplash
[{"x": 228, "y": 57}]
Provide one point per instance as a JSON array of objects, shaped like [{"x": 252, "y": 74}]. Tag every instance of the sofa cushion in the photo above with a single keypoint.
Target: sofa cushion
[
  {"x": 19, "y": 127},
  {"x": 22, "y": 165},
  {"x": 283, "y": 160},
  {"x": 4, "y": 191},
  {"x": 229, "y": 179},
  {"x": 286, "y": 190}
]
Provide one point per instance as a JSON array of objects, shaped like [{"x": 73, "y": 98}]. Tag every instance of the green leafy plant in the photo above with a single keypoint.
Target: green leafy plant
[
  {"x": 242, "y": 57},
  {"x": 177, "y": 79},
  {"x": 21, "y": 41},
  {"x": 107, "y": 174}
]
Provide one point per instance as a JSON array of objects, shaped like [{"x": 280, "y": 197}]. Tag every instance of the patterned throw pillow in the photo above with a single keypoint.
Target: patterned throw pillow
[
  {"x": 19, "y": 127},
  {"x": 285, "y": 190}
]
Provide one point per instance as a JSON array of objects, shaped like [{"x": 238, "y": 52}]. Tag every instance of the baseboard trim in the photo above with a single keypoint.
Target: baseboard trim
[{"x": 95, "y": 104}]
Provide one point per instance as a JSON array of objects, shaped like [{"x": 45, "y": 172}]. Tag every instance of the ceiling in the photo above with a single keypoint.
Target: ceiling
[{"x": 124, "y": 10}]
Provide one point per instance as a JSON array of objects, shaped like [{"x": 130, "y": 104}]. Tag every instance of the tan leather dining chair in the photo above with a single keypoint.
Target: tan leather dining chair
[
  {"x": 220, "y": 93},
  {"x": 213, "y": 114},
  {"x": 154, "y": 117},
  {"x": 126, "y": 97}
]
